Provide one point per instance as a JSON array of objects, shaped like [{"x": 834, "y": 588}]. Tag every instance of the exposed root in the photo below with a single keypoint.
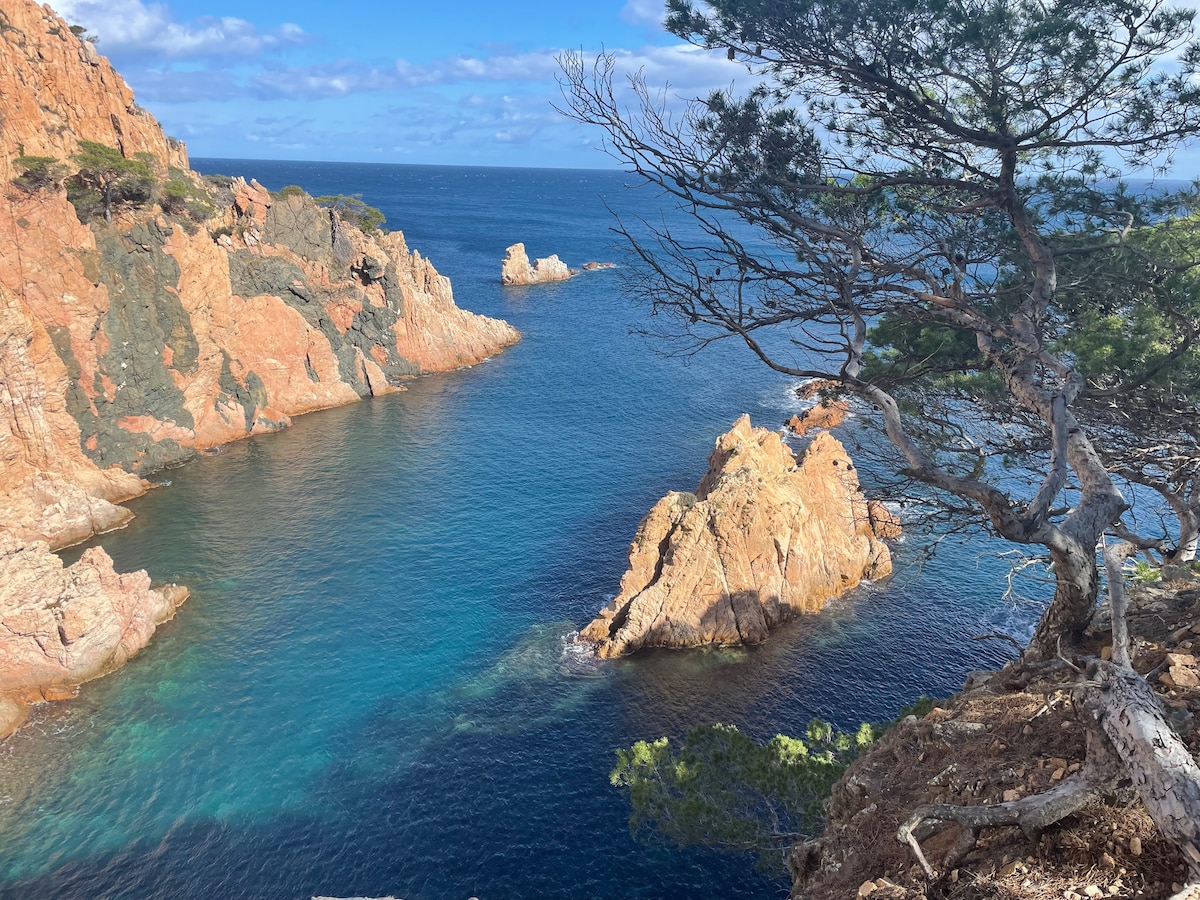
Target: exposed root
[{"x": 1098, "y": 778}]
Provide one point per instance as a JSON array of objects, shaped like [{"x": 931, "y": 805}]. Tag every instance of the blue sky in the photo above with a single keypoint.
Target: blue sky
[{"x": 460, "y": 82}]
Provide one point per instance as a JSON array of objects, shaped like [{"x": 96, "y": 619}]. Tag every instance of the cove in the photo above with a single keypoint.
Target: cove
[{"x": 367, "y": 692}]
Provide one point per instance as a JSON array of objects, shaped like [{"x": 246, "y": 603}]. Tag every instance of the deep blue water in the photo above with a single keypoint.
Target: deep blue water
[{"x": 366, "y": 693}]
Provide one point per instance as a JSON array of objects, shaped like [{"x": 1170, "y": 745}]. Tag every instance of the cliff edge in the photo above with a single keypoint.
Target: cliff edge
[{"x": 763, "y": 538}]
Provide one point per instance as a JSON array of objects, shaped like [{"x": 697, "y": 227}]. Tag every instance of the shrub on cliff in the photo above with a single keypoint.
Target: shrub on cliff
[
  {"x": 107, "y": 179},
  {"x": 290, "y": 190},
  {"x": 181, "y": 197},
  {"x": 353, "y": 211},
  {"x": 38, "y": 173},
  {"x": 719, "y": 788}
]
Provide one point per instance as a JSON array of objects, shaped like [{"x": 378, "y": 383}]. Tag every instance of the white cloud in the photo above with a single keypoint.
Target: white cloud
[
  {"x": 687, "y": 69},
  {"x": 135, "y": 28},
  {"x": 684, "y": 66},
  {"x": 644, "y": 12}
]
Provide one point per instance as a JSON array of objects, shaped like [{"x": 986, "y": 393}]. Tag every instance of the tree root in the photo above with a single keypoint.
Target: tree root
[
  {"x": 1098, "y": 778},
  {"x": 1128, "y": 739}
]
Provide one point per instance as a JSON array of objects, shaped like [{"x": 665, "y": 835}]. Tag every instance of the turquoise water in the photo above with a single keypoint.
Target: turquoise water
[{"x": 367, "y": 693}]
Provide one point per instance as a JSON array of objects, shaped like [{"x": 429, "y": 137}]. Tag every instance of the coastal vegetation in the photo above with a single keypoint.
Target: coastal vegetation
[
  {"x": 718, "y": 787},
  {"x": 38, "y": 173},
  {"x": 106, "y": 179},
  {"x": 927, "y": 204},
  {"x": 353, "y": 211}
]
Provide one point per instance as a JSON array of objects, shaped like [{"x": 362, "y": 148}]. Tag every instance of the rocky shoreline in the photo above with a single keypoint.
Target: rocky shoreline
[{"x": 180, "y": 325}]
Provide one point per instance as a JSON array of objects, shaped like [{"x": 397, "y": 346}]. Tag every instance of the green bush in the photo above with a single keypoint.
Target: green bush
[
  {"x": 353, "y": 211},
  {"x": 717, "y": 787},
  {"x": 289, "y": 190},
  {"x": 38, "y": 173},
  {"x": 182, "y": 198},
  {"x": 105, "y": 173}
]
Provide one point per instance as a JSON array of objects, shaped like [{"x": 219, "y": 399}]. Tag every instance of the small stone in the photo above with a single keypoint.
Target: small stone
[
  {"x": 1135, "y": 846},
  {"x": 1027, "y": 730},
  {"x": 1184, "y": 677},
  {"x": 866, "y": 889},
  {"x": 954, "y": 877},
  {"x": 1010, "y": 796},
  {"x": 1058, "y": 774},
  {"x": 1106, "y": 652},
  {"x": 1074, "y": 767},
  {"x": 1093, "y": 891},
  {"x": 1108, "y": 861}
]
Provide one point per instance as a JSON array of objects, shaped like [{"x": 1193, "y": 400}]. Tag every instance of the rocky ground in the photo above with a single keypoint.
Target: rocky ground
[{"x": 1000, "y": 739}]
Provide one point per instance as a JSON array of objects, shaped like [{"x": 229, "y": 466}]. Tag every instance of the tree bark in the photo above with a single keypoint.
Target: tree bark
[{"x": 1075, "y": 594}]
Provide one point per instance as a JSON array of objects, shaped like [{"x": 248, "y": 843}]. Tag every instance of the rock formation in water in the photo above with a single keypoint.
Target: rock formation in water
[
  {"x": 763, "y": 538},
  {"x": 60, "y": 626},
  {"x": 828, "y": 411},
  {"x": 515, "y": 268},
  {"x": 822, "y": 417},
  {"x": 191, "y": 319}
]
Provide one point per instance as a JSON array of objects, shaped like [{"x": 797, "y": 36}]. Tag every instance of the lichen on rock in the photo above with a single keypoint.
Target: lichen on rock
[{"x": 763, "y": 538}]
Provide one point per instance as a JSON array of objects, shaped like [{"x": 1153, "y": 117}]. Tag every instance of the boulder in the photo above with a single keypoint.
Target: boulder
[
  {"x": 764, "y": 537},
  {"x": 823, "y": 416}
]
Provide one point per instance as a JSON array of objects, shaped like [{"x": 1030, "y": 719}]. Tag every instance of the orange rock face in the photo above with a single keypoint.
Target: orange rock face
[
  {"x": 823, "y": 416},
  {"x": 125, "y": 347},
  {"x": 62, "y": 626},
  {"x": 762, "y": 539},
  {"x": 57, "y": 90}
]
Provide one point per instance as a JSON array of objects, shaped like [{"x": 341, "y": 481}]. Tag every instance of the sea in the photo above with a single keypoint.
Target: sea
[{"x": 369, "y": 692}]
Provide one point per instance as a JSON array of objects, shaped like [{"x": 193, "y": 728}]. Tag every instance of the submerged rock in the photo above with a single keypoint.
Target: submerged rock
[
  {"x": 515, "y": 268},
  {"x": 61, "y": 626},
  {"x": 763, "y": 538}
]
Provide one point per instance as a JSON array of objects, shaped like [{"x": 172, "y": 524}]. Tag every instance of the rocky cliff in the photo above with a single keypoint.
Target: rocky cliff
[
  {"x": 206, "y": 310},
  {"x": 58, "y": 90},
  {"x": 125, "y": 347},
  {"x": 515, "y": 268},
  {"x": 763, "y": 538}
]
